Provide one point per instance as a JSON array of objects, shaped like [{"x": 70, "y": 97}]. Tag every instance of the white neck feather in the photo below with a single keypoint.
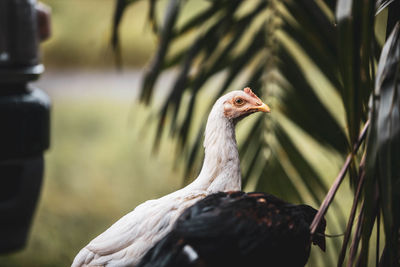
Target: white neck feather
[{"x": 221, "y": 166}]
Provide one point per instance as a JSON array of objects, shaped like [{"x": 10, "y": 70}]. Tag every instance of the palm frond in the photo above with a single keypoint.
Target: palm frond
[
  {"x": 354, "y": 66},
  {"x": 381, "y": 5},
  {"x": 154, "y": 68},
  {"x": 384, "y": 144},
  {"x": 315, "y": 63}
]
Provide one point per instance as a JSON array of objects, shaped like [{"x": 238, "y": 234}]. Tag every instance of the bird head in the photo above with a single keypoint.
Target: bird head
[{"x": 239, "y": 104}]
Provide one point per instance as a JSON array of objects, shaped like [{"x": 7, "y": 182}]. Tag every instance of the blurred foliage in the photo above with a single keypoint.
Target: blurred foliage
[
  {"x": 315, "y": 62},
  {"x": 81, "y": 30}
]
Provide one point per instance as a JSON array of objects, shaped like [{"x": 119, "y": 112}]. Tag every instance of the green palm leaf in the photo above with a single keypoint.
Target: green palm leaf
[
  {"x": 384, "y": 145},
  {"x": 314, "y": 61}
]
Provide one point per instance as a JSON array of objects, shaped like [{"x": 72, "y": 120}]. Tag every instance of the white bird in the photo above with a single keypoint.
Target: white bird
[{"x": 127, "y": 240}]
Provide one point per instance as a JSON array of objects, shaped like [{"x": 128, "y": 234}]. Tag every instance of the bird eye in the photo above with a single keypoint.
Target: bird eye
[{"x": 239, "y": 101}]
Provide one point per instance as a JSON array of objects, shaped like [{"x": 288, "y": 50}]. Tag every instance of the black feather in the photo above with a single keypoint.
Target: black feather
[{"x": 238, "y": 229}]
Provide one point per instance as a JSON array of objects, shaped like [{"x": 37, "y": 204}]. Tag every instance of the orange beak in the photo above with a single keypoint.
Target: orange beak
[{"x": 263, "y": 108}]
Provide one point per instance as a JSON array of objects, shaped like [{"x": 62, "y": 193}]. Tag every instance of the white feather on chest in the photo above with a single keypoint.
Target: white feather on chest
[{"x": 125, "y": 242}]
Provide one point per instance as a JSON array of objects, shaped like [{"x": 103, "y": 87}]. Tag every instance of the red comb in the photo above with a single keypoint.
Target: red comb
[{"x": 248, "y": 91}]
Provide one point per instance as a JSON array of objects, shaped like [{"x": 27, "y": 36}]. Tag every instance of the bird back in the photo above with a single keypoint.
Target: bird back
[{"x": 238, "y": 229}]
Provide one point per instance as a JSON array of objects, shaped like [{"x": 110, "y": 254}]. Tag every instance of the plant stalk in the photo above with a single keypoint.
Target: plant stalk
[
  {"x": 332, "y": 191},
  {"x": 350, "y": 222}
]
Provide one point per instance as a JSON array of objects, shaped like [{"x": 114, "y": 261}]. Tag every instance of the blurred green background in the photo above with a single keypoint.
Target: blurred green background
[
  {"x": 82, "y": 30},
  {"x": 100, "y": 164}
]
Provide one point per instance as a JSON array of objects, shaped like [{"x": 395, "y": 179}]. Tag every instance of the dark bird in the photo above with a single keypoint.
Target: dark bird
[{"x": 238, "y": 229}]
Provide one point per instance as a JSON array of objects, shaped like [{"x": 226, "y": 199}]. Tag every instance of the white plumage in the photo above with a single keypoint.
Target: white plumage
[{"x": 127, "y": 240}]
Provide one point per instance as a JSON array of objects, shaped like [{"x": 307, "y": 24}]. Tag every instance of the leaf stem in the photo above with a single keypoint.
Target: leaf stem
[
  {"x": 335, "y": 186},
  {"x": 352, "y": 214},
  {"x": 356, "y": 238}
]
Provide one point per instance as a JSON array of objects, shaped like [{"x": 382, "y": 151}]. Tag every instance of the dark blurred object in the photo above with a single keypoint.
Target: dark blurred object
[{"x": 24, "y": 117}]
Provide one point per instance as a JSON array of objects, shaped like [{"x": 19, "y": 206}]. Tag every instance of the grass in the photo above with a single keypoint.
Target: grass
[{"x": 99, "y": 168}]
